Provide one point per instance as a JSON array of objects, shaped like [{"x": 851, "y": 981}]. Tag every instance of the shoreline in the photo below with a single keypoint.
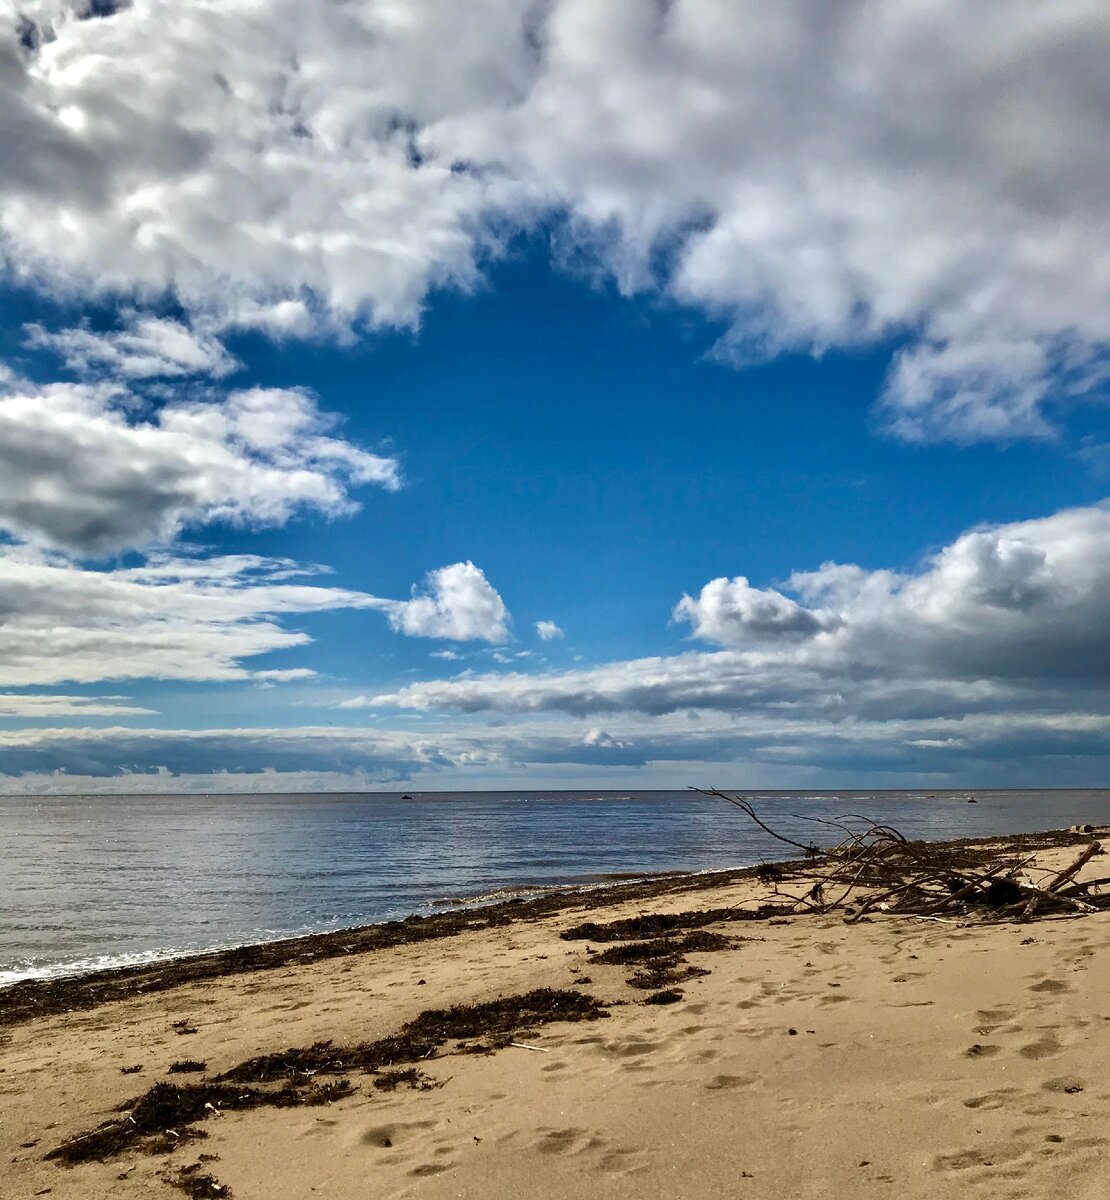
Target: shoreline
[
  {"x": 27, "y": 999},
  {"x": 693, "y": 1035}
]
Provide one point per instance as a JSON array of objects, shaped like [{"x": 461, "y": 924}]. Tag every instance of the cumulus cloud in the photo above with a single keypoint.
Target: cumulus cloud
[
  {"x": 88, "y": 469},
  {"x": 732, "y": 613},
  {"x": 548, "y": 631},
  {"x": 456, "y": 602},
  {"x": 145, "y": 348},
  {"x": 818, "y": 176},
  {"x": 1001, "y": 619}
]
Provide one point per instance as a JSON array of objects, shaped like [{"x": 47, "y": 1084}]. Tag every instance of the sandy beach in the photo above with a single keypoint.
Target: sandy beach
[{"x": 814, "y": 1058}]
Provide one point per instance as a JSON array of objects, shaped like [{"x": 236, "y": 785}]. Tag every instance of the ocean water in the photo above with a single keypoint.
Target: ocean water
[{"x": 94, "y": 881}]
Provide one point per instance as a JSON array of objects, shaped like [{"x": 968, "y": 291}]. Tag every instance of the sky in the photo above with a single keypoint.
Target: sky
[{"x": 545, "y": 393}]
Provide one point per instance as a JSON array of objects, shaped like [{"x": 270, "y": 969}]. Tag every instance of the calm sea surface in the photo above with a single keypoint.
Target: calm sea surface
[{"x": 92, "y": 881}]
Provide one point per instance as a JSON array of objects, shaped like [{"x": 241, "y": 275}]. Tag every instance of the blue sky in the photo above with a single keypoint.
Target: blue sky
[{"x": 312, "y": 413}]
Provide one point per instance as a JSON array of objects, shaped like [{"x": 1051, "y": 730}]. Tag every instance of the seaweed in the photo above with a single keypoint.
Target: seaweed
[
  {"x": 658, "y": 976},
  {"x": 663, "y": 948},
  {"x": 423, "y": 1036},
  {"x": 670, "y": 996},
  {"x": 198, "y": 1184},
  {"x": 649, "y": 925},
  {"x": 165, "y": 1114},
  {"x": 390, "y": 1081}
]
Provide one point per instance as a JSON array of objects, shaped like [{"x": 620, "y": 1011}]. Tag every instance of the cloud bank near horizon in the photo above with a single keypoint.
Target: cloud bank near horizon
[
  {"x": 994, "y": 650},
  {"x": 1001, "y": 616}
]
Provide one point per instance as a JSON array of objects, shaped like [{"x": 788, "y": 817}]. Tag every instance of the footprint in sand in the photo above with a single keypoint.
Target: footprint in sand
[
  {"x": 1068, "y": 1084},
  {"x": 985, "y": 1156},
  {"x": 430, "y": 1169},
  {"x": 985, "y": 1015},
  {"x": 727, "y": 1082},
  {"x": 992, "y": 1100},
  {"x": 1044, "y": 1047},
  {"x": 386, "y": 1136},
  {"x": 563, "y": 1141},
  {"x": 608, "y": 1159},
  {"x": 1051, "y": 985}
]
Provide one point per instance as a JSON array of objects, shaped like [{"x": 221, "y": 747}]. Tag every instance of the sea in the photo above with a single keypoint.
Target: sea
[{"x": 88, "y": 882}]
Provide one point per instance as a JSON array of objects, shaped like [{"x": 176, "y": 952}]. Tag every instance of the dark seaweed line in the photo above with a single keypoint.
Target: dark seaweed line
[
  {"x": 166, "y": 1113},
  {"x": 28, "y": 999}
]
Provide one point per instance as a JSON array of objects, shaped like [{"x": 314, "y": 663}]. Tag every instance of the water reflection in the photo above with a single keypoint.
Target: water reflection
[{"x": 102, "y": 879}]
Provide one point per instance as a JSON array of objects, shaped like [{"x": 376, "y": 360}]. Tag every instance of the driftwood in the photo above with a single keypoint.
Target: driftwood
[{"x": 874, "y": 868}]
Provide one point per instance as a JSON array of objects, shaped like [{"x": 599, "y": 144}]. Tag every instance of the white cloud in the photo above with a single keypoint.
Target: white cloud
[
  {"x": 816, "y": 176},
  {"x": 732, "y": 613},
  {"x": 146, "y": 347},
  {"x": 170, "y": 619},
  {"x": 548, "y": 631},
  {"x": 1002, "y": 619},
  {"x": 184, "y": 618},
  {"x": 85, "y": 468},
  {"x": 44, "y": 706},
  {"x": 457, "y": 602}
]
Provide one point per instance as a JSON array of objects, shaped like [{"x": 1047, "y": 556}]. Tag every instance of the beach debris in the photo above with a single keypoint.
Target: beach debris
[
  {"x": 198, "y": 1184},
  {"x": 526, "y": 1046},
  {"x": 662, "y": 961},
  {"x": 183, "y": 1027},
  {"x": 666, "y": 996},
  {"x": 875, "y": 868},
  {"x": 166, "y": 1115},
  {"x": 390, "y": 1081},
  {"x": 651, "y": 925},
  {"x": 185, "y": 1066},
  {"x": 134, "y": 1070}
]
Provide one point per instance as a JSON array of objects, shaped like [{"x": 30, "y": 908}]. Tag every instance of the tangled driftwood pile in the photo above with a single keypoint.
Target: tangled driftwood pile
[{"x": 875, "y": 868}]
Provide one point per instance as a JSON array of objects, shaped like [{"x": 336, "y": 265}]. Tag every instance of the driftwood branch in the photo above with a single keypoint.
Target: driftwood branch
[{"x": 874, "y": 867}]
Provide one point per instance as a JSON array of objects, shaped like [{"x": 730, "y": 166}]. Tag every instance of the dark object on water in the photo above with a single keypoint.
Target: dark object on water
[
  {"x": 972, "y": 800},
  {"x": 406, "y": 797}
]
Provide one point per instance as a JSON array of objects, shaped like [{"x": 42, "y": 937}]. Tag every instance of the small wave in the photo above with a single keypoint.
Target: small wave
[{"x": 21, "y": 972}]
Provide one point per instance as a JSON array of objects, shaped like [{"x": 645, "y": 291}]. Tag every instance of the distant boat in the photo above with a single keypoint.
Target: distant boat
[
  {"x": 406, "y": 797},
  {"x": 972, "y": 800}
]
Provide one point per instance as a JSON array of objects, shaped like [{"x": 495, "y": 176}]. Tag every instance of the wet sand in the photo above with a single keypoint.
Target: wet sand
[{"x": 812, "y": 1059}]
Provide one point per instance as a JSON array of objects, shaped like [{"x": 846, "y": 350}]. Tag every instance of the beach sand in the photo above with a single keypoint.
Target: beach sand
[{"x": 896, "y": 1058}]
